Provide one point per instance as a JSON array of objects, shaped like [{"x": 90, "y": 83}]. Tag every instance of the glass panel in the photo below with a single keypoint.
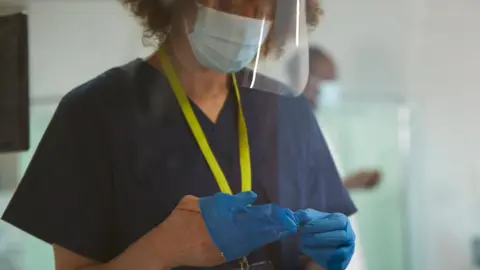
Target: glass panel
[
  {"x": 11, "y": 246},
  {"x": 40, "y": 116},
  {"x": 38, "y": 255},
  {"x": 373, "y": 135},
  {"x": 17, "y": 249}
]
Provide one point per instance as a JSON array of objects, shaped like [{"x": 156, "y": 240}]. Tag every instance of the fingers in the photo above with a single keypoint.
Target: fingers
[
  {"x": 333, "y": 239},
  {"x": 340, "y": 258},
  {"x": 288, "y": 220},
  {"x": 306, "y": 215},
  {"x": 321, "y": 222},
  {"x": 233, "y": 201},
  {"x": 224, "y": 203},
  {"x": 334, "y": 259},
  {"x": 267, "y": 217},
  {"x": 244, "y": 198},
  {"x": 329, "y": 240}
]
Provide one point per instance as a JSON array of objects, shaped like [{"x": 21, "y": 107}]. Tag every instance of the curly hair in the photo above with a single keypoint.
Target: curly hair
[{"x": 155, "y": 16}]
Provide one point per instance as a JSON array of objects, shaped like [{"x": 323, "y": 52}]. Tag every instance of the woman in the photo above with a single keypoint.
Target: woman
[{"x": 123, "y": 149}]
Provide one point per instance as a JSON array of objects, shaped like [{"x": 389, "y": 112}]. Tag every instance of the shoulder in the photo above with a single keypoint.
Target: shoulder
[
  {"x": 294, "y": 110},
  {"x": 105, "y": 89},
  {"x": 290, "y": 116},
  {"x": 118, "y": 93}
]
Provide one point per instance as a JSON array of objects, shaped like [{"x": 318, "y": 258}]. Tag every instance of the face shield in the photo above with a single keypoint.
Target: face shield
[{"x": 261, "y": 41}]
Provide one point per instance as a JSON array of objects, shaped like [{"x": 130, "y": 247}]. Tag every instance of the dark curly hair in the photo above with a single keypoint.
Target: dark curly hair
[{"x": 155, "y": 16}]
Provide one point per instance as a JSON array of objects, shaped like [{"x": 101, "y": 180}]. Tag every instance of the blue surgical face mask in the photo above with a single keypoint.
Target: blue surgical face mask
[{"x": 225, "y": 42}]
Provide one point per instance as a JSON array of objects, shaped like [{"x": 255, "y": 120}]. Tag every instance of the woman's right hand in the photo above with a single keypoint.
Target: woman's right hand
[
  {"x": 184, "y": 240},
  {"x": 210, "y": 231}
]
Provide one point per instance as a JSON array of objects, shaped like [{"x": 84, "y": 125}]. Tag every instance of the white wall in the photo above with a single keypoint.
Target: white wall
[
  {"x": 73, "y": 41},
  {"x": 370, "y": 42},
  {"x": 445, "y": 87}
]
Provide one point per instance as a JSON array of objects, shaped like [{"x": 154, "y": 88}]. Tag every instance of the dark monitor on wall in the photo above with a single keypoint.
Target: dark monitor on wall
[{"x": 14, "y": 98}]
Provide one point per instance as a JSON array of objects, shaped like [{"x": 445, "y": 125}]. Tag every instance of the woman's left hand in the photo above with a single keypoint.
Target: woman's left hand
[
  {"x": 327, "y": 238},
  {"x": 237, "y": 228}
]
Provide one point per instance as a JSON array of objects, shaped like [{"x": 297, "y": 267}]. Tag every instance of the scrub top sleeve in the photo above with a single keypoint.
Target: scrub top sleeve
[
  {"x": 65, "y": 196},
  {"x": 327, "y": 190}
]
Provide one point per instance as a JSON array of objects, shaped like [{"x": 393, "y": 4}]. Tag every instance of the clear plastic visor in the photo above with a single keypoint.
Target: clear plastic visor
[{"x": 264, "y": 41}]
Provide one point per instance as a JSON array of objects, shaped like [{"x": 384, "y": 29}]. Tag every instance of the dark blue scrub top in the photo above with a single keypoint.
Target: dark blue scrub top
[{"x": 118, "y": 156}]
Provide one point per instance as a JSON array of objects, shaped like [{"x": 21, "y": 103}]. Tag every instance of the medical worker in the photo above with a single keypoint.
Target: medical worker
[{"x": 139, "y": 166}]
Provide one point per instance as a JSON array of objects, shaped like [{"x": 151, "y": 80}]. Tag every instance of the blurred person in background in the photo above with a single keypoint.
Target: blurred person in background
[
  {"x": 322, "y": 74},
  {"x": 124, "y": 175}
]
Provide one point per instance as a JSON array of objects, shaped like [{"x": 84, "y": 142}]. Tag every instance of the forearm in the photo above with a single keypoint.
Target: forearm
[{"x": 144, "y": 254}]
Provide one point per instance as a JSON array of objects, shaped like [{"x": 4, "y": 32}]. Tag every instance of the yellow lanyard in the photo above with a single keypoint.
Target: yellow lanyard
[{"x": 244, "y": 148}]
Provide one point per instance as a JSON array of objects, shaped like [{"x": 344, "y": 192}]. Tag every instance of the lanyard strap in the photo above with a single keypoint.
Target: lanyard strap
[{"x": 244, "y": 148}]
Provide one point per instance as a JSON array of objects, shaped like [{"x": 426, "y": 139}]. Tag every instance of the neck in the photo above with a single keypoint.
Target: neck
[
  {"x": 203, "y": 86},
  {"x": 206, "y": 88}
]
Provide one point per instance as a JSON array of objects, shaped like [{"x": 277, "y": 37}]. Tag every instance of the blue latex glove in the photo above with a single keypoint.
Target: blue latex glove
[
  {"x": 237, "y": 229},
  {"x": 327, "y": 238}
]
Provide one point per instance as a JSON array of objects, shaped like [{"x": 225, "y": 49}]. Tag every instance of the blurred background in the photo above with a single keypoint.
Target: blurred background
[{"x": 409, "y": 100}]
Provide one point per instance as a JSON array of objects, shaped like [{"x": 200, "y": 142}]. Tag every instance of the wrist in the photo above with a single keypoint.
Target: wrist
[
  {"x": 313, "y": 266},
  {"x": 309, "y": 264}
]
